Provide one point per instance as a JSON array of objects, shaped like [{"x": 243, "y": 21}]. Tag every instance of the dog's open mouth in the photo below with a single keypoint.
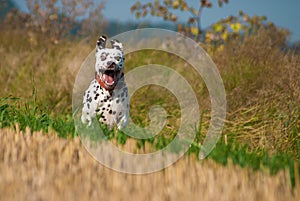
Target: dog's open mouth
[{"x": 110, "y": 77}]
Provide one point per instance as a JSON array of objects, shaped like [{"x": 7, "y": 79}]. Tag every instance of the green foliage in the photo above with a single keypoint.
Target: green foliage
[
  {"x": 26, "y": 114},
  {"x": 238, "y": 154},
  {"x": 239, "y": 27},
  {"x": 218, "y": 34},
  {"x": 98, "y": 132},
  {"x": 167, "y": 8}
]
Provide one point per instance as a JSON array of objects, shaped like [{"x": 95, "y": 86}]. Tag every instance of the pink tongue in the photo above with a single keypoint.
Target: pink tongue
[{"x": 108, "y": 79}]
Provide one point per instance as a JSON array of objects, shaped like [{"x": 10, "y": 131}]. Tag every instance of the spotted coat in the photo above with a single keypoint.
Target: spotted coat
[{"x": 107, "y": 97}]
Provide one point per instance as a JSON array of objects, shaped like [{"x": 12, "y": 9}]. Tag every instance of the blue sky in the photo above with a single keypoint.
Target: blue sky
[{"x": 284, "y": 13}]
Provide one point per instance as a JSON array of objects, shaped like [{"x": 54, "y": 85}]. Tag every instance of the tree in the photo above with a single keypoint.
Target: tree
[
  {"x": 59, "y": 18},
  {"x": 5, "y": 7},
  {"x": 166, "y": 10}
]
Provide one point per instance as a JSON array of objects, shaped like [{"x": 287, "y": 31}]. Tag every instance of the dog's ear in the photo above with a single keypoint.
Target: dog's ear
[
  {"x": 101, "y": 42},
  {"x": 116, "y": 44}
]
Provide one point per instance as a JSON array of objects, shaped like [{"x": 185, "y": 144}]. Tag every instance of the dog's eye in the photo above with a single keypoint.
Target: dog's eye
[
  {"x": 103, "y": 56},
  {"x": 117, "y": 58}
]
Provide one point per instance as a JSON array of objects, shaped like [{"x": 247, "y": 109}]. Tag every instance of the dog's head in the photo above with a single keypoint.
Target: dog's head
[{"x": 109, "y": 62}]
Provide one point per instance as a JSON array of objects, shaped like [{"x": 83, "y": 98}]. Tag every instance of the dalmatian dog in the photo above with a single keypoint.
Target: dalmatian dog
[{"x": 107, "y": 96}]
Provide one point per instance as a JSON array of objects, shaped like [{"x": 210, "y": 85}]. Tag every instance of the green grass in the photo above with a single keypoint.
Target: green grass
[
  {"x": 259, "y": 160},
  {"x": 24, "y": 113}
]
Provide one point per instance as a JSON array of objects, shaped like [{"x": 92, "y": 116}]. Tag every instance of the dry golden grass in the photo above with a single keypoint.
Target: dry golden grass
[
  {"x": 35, "y": 67},
  {"x": 263, "y": 92},
  {"x": 38, "y": 166}
]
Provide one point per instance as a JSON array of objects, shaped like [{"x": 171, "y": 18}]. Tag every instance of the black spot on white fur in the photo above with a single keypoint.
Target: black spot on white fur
[{"x": 113, "y": 105}]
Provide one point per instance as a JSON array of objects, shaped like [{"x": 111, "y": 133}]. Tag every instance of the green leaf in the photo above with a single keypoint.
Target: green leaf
[
  {"x": 175, "y": 4},
  {"x": 137, "y": 15},
  {"x": 218, "y": 27},
  {"x": 135, "y": 6},
  {"x": 194, "y": 31},
  {"x": 236, "y": 27}
]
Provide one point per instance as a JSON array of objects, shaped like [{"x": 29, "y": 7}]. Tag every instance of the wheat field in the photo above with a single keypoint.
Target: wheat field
[{"x": 39, "y": 166}]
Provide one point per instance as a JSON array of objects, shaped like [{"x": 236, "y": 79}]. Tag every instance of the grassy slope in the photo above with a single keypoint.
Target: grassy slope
[
  {"x": 262, "y": 90},
  {"x": 261, "y": 83}
]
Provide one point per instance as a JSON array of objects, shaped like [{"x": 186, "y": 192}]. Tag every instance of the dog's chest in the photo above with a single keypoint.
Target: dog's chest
[{"x": 111, "y": 106}]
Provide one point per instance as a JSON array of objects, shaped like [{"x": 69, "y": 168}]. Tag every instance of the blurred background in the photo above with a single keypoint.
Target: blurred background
[
  {"x": 279, "y": 12},
  {"x": 120, "y": 17}
]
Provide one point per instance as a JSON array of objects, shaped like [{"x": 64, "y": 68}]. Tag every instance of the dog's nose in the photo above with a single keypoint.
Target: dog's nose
[{"x": 111, "y": 64}]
